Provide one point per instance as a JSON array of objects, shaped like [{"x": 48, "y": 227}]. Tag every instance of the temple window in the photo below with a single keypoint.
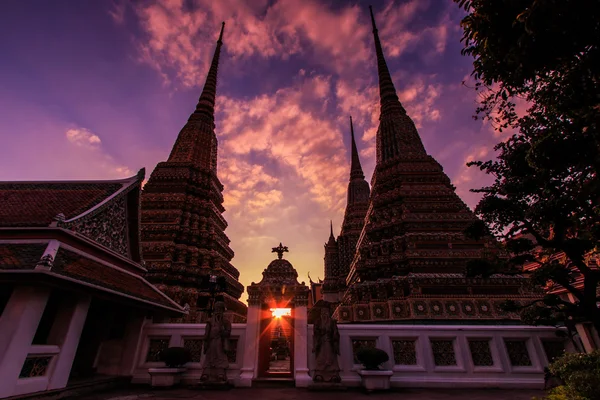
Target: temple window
[
  {"x": 194, "y": 346},
  {"x": 405, "y": 352},
  {"x": 443, "y": 352},
  {"x": 481, "y": 353},
  {"x": 517, "y": 352},
  {"x": 553, "y": 349},
  {"x": 155, "y": 347}
]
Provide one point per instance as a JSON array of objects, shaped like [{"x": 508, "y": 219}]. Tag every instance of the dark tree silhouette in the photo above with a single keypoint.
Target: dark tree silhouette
[{"x": 545, "y": 196}]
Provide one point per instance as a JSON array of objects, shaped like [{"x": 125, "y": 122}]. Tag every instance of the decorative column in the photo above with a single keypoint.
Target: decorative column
[
  {"x": 65, "y": 333},
  {"x": 18, "y": 325},
  {"x": 132, "y": 342},
  {"x": 250, "y": 363},
  {"x": 301, "y": 341},
  {"x": 586, "y": 332}
]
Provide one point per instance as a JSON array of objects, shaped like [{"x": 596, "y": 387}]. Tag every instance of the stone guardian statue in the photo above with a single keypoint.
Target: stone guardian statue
[
  {"x": 326, "y": 346},
  {"x": 216, "y": 345}
]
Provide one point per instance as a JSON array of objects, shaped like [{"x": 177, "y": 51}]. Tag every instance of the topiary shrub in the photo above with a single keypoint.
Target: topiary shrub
[
  {"x": 175, "y": 357},
  {"x": 371, "y": 357},
  {"x": 581, "y": 374}
]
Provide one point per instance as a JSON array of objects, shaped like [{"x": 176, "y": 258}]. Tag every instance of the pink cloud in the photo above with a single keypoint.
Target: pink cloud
[{"x": 286, "y": 130}]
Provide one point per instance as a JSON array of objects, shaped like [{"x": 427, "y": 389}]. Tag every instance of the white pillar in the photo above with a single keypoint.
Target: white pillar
[
  {"x": 65, "y": 333},
  {"x": 588, "y": 338},
  {"x": 18, "y": 325},
  {"x": 586, "y": 332},
  {"x": 301, "y": 346},
  {"x": 249, "y": 364},
  {"x": 131, "y": 344}
]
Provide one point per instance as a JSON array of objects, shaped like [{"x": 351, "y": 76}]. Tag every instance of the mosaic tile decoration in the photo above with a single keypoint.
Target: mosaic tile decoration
[
  {"x": 443, "y": 352},
  {"x": 517, "y": 352},
  {"x": 35, "y": 366},
  {"x": 155, "y": 346},
  {"x": 481, "y": 353},
  {"x": 358, "y": 344},
  {"x": 404, "y": 352},
  {"x": 194, "y": 346}
]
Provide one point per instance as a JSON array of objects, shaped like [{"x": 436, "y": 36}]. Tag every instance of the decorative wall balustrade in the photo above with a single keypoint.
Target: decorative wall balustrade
[
  {"x": 157, "y": 337},
  {"x": 452, "y": 355},
  {"x": 420, "y": 355}
]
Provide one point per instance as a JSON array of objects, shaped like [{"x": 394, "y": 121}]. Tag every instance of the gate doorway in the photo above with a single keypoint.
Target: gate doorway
[{"x": 276, "y": 346}]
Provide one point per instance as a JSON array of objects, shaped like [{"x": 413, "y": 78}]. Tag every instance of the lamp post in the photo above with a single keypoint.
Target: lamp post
[{"x": 214, "y": 284}]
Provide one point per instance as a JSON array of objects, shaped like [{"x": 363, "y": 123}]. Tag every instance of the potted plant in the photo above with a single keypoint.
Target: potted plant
[
  {"x": 372, "y": 377},
  {"x": 170, "y": 375}
]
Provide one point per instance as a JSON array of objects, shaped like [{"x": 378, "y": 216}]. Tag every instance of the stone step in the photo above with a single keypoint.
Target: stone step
[{"x": 273, "y": 382}]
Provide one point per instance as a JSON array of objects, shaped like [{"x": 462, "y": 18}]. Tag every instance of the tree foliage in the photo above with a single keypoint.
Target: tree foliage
[{"x": 545, "y": 196}]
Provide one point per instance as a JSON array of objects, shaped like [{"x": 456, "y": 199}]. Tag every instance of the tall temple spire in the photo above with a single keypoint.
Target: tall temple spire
[
  {"x": 331, "y": 241},
  {"x": 183, "y": 228},
  {"x": 355, "y": 168},
  {"x": 397, "y": 135},
  {"x": 387, "y": 92},
  {"x": 197, "y": 143},
  {"x": 205, "y": 109}
]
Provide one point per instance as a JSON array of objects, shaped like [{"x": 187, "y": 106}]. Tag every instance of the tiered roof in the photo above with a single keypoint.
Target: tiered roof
[{"x": 82, "y": 235}]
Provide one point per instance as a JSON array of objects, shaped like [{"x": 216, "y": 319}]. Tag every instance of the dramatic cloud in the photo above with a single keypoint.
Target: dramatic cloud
[{"x": 291, "y": 73}]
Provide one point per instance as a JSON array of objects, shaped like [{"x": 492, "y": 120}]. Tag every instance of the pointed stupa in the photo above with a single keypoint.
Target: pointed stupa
[
  {"x": 397, "y": 135},
  {"x": 331, "y": 240},
  {"x": 358, "y": 188},
  {"x": 387, "y": 92},
  {"x": 354, "y": 217},
  {"x": 206, "y": 104},
  {"x": 183, "y": 228},
  {"x": 412, "y": 252},
  {"x": 356, "y": 171},
  {"x": 197, "y": 142}
]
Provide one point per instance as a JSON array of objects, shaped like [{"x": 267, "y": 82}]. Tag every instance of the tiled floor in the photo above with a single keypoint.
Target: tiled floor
[{"x": 301, "y": 394}]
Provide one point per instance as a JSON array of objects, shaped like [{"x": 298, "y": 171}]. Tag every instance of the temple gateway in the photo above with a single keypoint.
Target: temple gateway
[{"x": 99, "y": 278}]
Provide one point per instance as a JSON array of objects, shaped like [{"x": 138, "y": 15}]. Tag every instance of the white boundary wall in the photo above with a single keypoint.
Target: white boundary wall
[
  {"x": 424, "y": 374},
  {"x": 464, "y": 374},
  {"x": 176, "y": 334}
]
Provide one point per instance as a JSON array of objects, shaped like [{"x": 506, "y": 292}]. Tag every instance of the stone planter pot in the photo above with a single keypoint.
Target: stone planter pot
[
  {"x": 165, "y": 377},
  {"x": 375, "y": 379}
]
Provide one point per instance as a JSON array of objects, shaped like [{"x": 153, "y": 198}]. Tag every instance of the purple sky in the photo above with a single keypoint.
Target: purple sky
[{"x": 99, "y": 89}]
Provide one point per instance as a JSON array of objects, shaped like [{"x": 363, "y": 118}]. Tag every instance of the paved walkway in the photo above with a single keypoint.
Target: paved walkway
[{"x": 302, "y": 394}]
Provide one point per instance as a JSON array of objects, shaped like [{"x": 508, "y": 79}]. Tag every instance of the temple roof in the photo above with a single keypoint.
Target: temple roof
[
  {"x": 72, "y": 267},
  {"x": 38, "y": 203}
]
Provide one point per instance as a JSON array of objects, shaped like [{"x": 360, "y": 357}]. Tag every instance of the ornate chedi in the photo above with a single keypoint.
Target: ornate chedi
[
  {"x": 183, "y": 239},
  {"x": 411, "y": 256},
  {"x": 340, "y": 253}
]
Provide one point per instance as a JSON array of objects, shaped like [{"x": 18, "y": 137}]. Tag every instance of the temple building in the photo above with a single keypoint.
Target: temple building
[
  {"x": 339, "y": 253},
  {"x": 73, "y": 299},
  {"x": 412, "y": 253},
  {"x": 184, "y": 245}
]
